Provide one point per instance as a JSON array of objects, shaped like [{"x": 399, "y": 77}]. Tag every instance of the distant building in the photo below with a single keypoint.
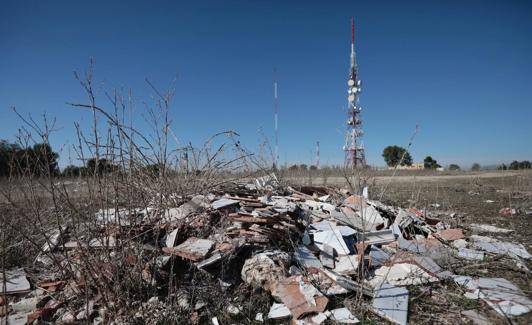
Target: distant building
[{"x": 414, "y": 166}]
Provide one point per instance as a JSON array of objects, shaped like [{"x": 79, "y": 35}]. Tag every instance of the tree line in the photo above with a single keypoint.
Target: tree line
[
  {"x": 40, "y": 160},
  {"x": 36, "y": 160},
  {"x": 516, "y": 165}
]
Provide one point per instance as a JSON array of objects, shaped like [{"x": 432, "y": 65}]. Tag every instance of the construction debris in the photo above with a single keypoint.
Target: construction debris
[
  {"x": 503, "y": 296},
  {"x": 301, "y": 246},
  {"x": 16, "y": 282}
]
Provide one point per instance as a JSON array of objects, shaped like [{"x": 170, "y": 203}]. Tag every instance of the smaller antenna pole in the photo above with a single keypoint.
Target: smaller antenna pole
[
  {"x": 275, "y": 118},
  {"x": 317, "y": 154}
]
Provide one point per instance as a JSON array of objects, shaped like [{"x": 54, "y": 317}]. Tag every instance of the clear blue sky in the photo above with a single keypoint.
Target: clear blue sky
[{"x": 462, "y": 70}]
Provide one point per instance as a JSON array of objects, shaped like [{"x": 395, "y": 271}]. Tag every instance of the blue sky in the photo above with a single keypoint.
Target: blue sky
[{"x": 461, "y": 70}]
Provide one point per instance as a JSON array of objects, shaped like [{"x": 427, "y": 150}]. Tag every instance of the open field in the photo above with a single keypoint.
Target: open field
[{"x": 458, "y": 200}]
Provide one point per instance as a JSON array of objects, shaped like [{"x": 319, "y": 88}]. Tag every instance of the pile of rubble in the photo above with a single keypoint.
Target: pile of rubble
[{"x": 301, "y": 246}]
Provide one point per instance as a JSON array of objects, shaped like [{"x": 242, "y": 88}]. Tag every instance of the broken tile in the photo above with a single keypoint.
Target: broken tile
[
  {"x": 470, "y": 254},
  {"x": 451, "y": 234},
  {"x": 347, "y": 264},
  {"x": 278, "y": 311},
  {"x": 391, "y": 302},
  {"x": 343, "y": 316},
  {"x": 223, "y": 203},
  {"x": 332, "y": 238},
  {"x": 16, "y": 282},
  {"x": 495, "y": 246},
  {"x": 306, "y": 258},
  {"x": 500, "y": 294},
  {"x": 299, "y": 296},
  {"x": 327, "y": 256},
  {"x": 171, "y": 238}
]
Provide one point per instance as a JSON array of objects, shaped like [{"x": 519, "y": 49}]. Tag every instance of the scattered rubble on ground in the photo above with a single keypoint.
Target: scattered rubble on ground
[{"x": 302, "y": 246}]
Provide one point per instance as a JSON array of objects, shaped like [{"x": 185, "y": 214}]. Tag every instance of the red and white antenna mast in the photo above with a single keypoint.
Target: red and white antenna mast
[{"x": 353, "y": 148}]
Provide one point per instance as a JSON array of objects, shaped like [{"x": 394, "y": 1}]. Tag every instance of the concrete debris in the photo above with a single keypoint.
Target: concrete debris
[
  {"x": 402, "y": 274},
  {"x": 347, "y": 264},
  {"x": 460, "y": 243},
  {"x": 327, "y": 256},
  {"x": 194, "y": 249},
  {"x": 301, "y": 246},
  {"x": 306, "y": 258},
  {"x": 377, "y": 237},
  {"x": 268, "y": 182},
  {"x": 332, "y": 238},
  {"x": 371, "y": 218},
  {"x": 451, "y": 234},
  {"x": 264, "y": 269},
  {"x": 343, "y": 316},
  {"x": 223, "y": 203},
  {"x": 278, "y": 311},
  {"x": 495, "y": 246},
  {"x": 470, "y": 254},
  {"x": 16, "y": 282},
  {"x": 391, "y": 302},
  {"x": 500, "y": 294},
  {"x": 489, "y": 228},
  {"x": 171, "y": 238},
  {"x": 299, "y": 296}
]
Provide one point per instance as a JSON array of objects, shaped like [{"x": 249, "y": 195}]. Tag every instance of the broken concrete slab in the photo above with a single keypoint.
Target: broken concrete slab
[
  {"x": 194, "y": 249},
  {"x": 391, "y": 303},
  {"x": 401, "y": 274},
  {"x": 16, "y": 282}
]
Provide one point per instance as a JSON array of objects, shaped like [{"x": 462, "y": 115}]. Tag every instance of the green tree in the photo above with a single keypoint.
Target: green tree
[
  {"x": 395, "y": 155},
  {"x": 502, "y": 167},
  {"x": 102, "y": 167},
  {"x": 43, "y": 160},
  {"x": 71, "y": 171},
  {"x": 454, "y": 167},
  {"x": 525, "y": 164},
  {"x": 475, "y": 167},
  {"x": 514, "y": 165},
  {"x": 430, "y": 163}
]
